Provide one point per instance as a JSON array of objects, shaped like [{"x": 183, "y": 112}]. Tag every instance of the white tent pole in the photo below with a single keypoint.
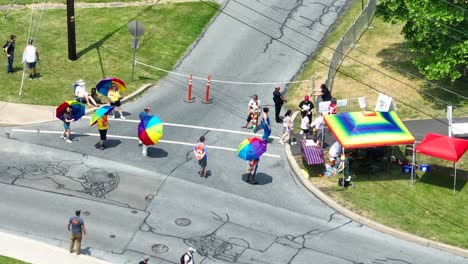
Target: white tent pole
[{"x": 455, "y": 178}]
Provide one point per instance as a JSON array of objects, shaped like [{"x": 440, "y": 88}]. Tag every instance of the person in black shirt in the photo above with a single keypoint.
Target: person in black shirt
[
  {"x": 307, "y": 105},
  {"x": 279, "y": 100},
  {"x": 145, "y": 260},
  {"x": 326, "y": 95},
  {"x": 10, "y": 53}
]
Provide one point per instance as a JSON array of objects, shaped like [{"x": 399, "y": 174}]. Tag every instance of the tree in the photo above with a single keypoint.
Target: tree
[{"x": 436, "y": 30}]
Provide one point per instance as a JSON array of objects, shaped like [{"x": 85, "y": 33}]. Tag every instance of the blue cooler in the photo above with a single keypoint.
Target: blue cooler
[
  {"x": 406, "y": 169},
  {"x": 424, "y": 168}
]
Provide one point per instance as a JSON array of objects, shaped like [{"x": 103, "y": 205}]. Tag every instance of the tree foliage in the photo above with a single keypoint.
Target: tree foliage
[{"x": 436, "y": 30}]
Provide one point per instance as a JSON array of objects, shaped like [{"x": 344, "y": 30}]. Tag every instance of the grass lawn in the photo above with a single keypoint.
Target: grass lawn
[
  {"x": 429, "y": 209},
  {"x": 6, "y": 260},
  {"x": 103, "y": 47}
]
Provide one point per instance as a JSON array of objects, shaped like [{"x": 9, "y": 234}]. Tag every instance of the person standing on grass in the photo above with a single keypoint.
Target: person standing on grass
[
  {"x": 279, "y": 100},
  {"x": 325, "y": 93},
  {"x": 67, "y": 118},
  {"x": 9, "y": 50},
  {"x": 102, "y": 125},
  {"x": 288, "y": 126},
  {"x": 30, "y": 59},
  {"x": 77, "y": 228},
  {"x": 266, "y": 124},
  {"x": 200, "y": 153},
  {"x": 332, "y": 108},
  {"x": 115, "y": 97}
]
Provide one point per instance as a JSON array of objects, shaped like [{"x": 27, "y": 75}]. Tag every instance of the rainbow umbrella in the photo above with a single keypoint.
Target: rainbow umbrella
[
  {"x": 100, "y": 112},
  {"x": 150, "y": 130},
  {"x": 251, "y": 148},
  {"x": 105, "y": 84},
  {"x": 78, "y": 110}
]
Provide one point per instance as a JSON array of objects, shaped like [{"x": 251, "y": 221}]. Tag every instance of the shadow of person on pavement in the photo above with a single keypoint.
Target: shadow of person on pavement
[
  {"x": 261, "y": 178},
  {"x": 156, "y": 152},
  {"x": 110, "y": 143},
  {"x": 86, "y": 251}
]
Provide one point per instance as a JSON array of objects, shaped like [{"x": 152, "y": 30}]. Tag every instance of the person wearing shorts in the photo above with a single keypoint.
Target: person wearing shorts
[
  {"x": 30, "y": 58},
  {"x": 66, "y": 125},
  {"x": 305, "y": 123},
  {"x": 200, "y": 153},
  {"x": 103, "y": 125},
  {"x": 114, "y": 96}
]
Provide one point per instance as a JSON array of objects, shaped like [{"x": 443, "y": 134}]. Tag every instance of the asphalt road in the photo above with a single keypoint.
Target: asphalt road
[{"x": 158, "y": 205}]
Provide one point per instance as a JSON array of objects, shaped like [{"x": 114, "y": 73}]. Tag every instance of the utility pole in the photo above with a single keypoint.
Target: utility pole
[{"x": 71, "y": 30}]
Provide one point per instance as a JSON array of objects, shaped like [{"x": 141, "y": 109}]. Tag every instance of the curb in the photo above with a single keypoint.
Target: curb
[
  {"x": 88, "y": 111},
  {"x": 144, "y": 87},
  {"x": 363, "y": 220},
  {"x": 34, "y": 251}
]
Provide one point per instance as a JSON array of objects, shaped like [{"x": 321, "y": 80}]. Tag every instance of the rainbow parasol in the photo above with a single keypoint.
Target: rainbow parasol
[
  {"x": 368, "y": 129},
  {"x": 150, "y": 130},
  {"x": 251, "y": 148},
  {"x": 100, "y": 112},
  {"x": 78, "y": 110},
  {"x": 105, "y": 84}
]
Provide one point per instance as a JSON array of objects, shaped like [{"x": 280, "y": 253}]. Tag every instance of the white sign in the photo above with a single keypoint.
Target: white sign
[
  {"x": 362, "y": 102},
  {"x": 323, "y": 106},
  {"x": 343, "y": 102},
  {"x": 384, "y": 103}
]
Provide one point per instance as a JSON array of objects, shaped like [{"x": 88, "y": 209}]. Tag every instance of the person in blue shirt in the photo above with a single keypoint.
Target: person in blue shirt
[{"x": 77, "y": 229}]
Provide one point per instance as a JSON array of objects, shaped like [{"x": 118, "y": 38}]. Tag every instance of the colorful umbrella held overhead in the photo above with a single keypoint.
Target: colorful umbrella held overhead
[
  {"x": 251, "y": 148},
  {"x": 150, "y": 130},
  {"x": 100, "y": 112},
  {"x": 77, "y": 110},
  {"x": 105, "y": 84}
]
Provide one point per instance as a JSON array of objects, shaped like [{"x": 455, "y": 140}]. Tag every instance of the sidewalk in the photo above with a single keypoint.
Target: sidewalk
[
  {"x": 32, "y": 251},
  {"x": 23, "y": 114}
]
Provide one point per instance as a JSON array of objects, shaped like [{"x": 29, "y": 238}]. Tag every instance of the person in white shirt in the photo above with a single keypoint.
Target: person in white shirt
[
  {"x": 30, "y": 58},
  {"x": 188, "y": 257},
  {"x": 288, "y": 126},
  {"x": 253, "y": 112},
  {"x": 305, "y": 123},
  {"x": 81, "y": 93},
  {"x": 317, "y": 125}
]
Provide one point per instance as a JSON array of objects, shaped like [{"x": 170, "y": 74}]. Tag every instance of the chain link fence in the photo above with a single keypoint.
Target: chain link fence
[{"x": 349, "y": 39}]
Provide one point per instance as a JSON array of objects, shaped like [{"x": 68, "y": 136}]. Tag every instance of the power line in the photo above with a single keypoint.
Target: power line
[
  {"x": 454, "y": 5},
  {"x": 308, "y": 56},
  {"x": 345, "y": 55},
  {"x": 348, "y": 56}
]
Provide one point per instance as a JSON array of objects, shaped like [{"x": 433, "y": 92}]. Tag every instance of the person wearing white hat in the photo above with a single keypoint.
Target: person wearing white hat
[
  {"x": 145, "y": 260},
  {"x": 188, "y": 256},
  {"x": 81, "y": 93}
]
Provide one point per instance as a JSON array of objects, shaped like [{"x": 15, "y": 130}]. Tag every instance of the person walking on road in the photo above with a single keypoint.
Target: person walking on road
[
  {"x": 279, "y": 100},
  {"x": 77, "y": 228},
  {"x": 288, "y": 126},
  {"x": 142, "y": 115},
  {"x": 103, "y": 125},
  {"x": 253, "y": 112},
  {"x": 252, "y": 170},
  {"x": 9, "y": 50},
  {"x": 187, "y": 257},
  {"x": 200, "y": 153},
  {"x": 266, "y": 124},
  {"x": 30, "y": 59},
  {"x": 115, "y": 97},
  {"x": 145, "y": 260},
  {"x": 66, "y": 125}
]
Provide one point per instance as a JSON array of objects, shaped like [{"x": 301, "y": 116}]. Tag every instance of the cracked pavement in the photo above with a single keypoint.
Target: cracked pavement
[{"x": 158, "y": 205}]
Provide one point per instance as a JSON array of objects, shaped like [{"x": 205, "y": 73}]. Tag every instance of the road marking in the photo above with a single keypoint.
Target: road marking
[
  {"x": 195, "y": 127},
  {"x": 37, "y": 131}
]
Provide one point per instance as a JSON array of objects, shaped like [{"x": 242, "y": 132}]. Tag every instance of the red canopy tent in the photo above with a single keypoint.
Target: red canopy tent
[{"x": 443, "y": 147}]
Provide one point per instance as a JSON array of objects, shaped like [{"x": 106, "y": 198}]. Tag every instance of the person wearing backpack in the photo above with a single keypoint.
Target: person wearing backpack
[
  {"x": 187, "y": 258},
  {"x": 9, "y": 49}
]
